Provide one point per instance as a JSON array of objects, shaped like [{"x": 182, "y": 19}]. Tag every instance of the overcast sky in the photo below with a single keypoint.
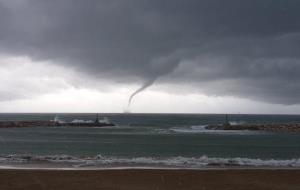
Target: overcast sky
[{"x": 201, "y": 56}]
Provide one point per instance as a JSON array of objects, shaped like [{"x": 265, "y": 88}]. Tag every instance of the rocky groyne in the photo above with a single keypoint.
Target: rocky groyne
[
  {"x": 17, "y": 124},
  {"x": 6, "y": 124},
  {"x": 287, "y": 127}
]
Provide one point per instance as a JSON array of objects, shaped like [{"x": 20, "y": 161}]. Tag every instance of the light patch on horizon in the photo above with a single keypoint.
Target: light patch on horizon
[
  {"x": 161, "y": 102},
  {"x": 74, "y": 100},
  {"x": 22, "y": 79},
  {"x": 32, "y": 86}
]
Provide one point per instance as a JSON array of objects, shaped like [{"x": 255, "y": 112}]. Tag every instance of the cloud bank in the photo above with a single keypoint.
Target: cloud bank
[{"x": 247, "y": 49}]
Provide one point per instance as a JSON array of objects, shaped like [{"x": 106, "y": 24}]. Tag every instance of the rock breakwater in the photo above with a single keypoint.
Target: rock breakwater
[{"x": 285, "y": 127}]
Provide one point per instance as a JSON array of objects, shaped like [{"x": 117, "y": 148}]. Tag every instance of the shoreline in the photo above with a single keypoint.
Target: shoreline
[
  {"x": 149, "y": 179},
  {"x": 143, "y": 168}
]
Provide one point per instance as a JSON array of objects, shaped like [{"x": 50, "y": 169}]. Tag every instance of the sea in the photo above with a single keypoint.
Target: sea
[{"x": 148, "y": 141}]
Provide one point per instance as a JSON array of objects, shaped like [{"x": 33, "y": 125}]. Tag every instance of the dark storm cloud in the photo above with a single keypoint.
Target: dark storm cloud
[{"x": 251, "y": 47}]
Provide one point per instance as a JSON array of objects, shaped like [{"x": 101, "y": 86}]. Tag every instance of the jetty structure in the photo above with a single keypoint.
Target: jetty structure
[
  {"x": 56, "y": 123},
  {"x": 97, "y": 123},
  {"x": 271, "y": 127},
  {"x": 226, "y": 123}
]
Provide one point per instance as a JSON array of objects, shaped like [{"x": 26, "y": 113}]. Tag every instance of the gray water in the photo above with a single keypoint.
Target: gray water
[{"x": 173, "y": 140}]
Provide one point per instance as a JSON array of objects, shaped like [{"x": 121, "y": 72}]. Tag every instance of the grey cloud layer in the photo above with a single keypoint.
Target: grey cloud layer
[{"x": 242, "y": 48}]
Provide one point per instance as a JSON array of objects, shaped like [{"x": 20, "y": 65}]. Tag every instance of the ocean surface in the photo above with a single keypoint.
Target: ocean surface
[{"x": 149, "y": 140}]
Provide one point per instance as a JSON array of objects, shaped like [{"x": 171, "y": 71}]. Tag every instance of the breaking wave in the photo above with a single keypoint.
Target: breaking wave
[
  {"x": 191, "y": 129},
  {"x": 173, "y": 162},
  {"x": 202, "y": 129},
  {"x": 81, "y": 121}
]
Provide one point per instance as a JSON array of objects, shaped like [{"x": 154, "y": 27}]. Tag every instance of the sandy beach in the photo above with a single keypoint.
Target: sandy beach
[{"x": 150, "y": 179}]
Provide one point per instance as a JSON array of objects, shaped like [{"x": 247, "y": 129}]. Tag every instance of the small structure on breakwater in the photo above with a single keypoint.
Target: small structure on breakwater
[{"x": 226, "y": 124}]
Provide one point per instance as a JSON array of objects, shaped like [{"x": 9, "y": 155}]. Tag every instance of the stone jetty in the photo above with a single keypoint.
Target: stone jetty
[
  {"x": 17, "y": 124},
  {"x": 273, "y": 127}
]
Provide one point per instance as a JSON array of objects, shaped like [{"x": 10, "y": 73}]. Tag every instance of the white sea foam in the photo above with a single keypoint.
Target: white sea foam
[
  {"x": 191, "y": 129},
  {"x": 198, "y": 129},
  {"x": 176, "y": 162},
  {"x": 237, "y": 122},
  {"x": 81, "y": 121}
]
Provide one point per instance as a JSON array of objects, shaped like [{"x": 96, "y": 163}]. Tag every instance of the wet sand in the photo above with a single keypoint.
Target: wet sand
[{"x": 151, "y": 179}]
